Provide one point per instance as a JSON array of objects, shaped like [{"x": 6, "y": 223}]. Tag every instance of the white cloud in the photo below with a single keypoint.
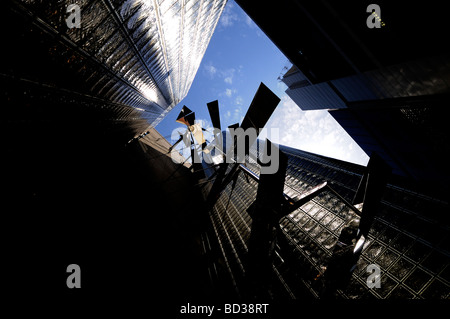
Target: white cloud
[
  {"x": 210, "y": 69},
  {"x": 281, "y": 86},
  {"x": 314, "y": 131},
  {"x": 250, "y": 22},
  {"x": 228, "y": 75},
  {"x": 229, "y": 16},
  {"x": 239, "y": 100},
  {"x": 233, "y": 113},
  {"x": 237, "y": 116},
  {"x": 229, "y": 92}
]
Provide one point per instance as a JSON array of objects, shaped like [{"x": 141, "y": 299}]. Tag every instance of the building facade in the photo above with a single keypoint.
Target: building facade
[
  {"x": 396, "y": 112},
  {"x": 367, "y": 63},
  {"x": 142, "y": 54},
  {"x": 408, "y": 239},
  {"x": 75, "y": 191},
  {"x": 328, "y": 40},
  {"x": 412, "y": 139}
]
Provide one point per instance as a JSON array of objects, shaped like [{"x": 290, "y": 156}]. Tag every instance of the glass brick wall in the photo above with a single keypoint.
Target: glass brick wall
[{"x": 408, "y": 241}]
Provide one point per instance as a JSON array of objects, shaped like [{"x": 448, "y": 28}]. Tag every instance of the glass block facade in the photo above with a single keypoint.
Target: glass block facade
[
  {"x": 141, "y": 53},
  {"x": 408, "y": 240}
]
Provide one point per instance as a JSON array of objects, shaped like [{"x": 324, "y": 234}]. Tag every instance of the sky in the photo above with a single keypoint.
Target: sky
[{"x": 239, "y": 57}]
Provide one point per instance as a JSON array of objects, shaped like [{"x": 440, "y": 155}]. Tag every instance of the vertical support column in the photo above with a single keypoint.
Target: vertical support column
[
  {"x": 265, "y": 223},
  {"x": 351, "y": 240}
]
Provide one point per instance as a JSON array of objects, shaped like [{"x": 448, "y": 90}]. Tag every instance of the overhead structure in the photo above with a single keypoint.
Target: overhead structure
[
  {"x": 213, "y": 109},
  {"x": 261, "y": 108},
  {"x": 187, "y": 117},
  {"x": 271, "y": 205}
]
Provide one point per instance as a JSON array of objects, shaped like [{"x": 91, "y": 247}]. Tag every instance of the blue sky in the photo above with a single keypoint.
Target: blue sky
[{"x": 239, "y": 57}]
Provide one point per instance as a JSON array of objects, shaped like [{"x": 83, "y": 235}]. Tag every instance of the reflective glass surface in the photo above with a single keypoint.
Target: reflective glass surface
[{"x": 144, "y": 53}]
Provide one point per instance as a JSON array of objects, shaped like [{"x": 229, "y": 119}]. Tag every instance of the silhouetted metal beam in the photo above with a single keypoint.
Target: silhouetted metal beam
[
  {"x": 265, "y": 224},
  {"x": 261, "y": 108},
  {"x": 175, "y": 144},
  {"x": 218, "y": 185},
  {"x": 213, "y": 109},
  {"x": 371, "y": 190},
  {"x": 259, "y": 112},
  {"x": 351, "y": 239}
]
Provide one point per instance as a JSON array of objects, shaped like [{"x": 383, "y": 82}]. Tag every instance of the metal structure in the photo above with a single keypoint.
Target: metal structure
[{"x": 317, "y": 227}]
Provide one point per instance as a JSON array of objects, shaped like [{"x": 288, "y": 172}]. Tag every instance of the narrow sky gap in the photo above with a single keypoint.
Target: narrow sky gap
[{"x": 238, "y": 58}]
